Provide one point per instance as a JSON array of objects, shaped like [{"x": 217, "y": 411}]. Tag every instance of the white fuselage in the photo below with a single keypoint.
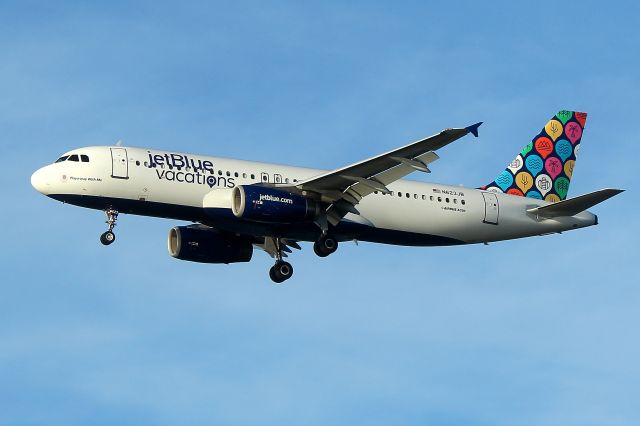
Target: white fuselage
[{"x": 177, "y": 186}]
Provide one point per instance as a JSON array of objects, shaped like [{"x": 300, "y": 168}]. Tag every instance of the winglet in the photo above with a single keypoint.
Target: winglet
[{"x": 473, "y": 129}]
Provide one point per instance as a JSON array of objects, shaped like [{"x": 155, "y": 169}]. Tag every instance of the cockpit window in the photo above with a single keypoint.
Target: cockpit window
[
  {"x": 73, "y": 157},
  {"x": 61, "y": 159},
  {"x": 84, "y": 158}
]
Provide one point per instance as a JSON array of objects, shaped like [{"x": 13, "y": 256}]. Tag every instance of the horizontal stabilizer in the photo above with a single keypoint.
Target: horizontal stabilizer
[{"x": 573, "y": 206}]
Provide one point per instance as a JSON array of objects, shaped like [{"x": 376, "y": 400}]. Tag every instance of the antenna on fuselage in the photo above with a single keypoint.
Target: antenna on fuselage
[{"x": 119, "y": 143}]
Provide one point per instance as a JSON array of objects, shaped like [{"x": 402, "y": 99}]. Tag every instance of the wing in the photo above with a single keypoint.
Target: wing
[{"x": 342, "y": 189}]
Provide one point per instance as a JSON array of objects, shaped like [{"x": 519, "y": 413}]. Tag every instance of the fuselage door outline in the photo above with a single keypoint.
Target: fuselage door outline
[
  {"x": 491, "y": 208},
  {"x": 119, "y": 163}
]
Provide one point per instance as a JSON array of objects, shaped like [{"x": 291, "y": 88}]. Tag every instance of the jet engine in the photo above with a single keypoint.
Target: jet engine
[
  {"x": 264, "y": 204},
  {"x": 200, "y": 244}
]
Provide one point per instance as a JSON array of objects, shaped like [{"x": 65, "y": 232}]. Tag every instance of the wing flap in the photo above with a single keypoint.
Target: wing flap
[{"x": 391, "y": 175}]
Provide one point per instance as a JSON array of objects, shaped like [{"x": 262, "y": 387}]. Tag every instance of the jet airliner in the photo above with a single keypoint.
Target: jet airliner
[{"x": 236, "y": 206}]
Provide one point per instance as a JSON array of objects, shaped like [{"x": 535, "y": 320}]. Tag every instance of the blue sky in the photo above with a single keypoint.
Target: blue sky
[{"x": 536, "y": 331}]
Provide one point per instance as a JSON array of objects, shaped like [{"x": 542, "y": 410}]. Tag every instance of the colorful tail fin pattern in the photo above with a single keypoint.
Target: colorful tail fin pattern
[{"x": 544, "y": 167}]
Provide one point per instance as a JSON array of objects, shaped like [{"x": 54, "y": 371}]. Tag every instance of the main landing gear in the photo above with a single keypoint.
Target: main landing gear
[
  {"x": 325, "y": 245},
  {"x": 282, "y": 270},
  {"x": 109, "y": 237}
]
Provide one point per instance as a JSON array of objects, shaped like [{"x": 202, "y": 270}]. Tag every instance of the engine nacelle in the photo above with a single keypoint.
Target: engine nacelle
[
  {"x": 197, "y": 244},
  {"x": 264, "y": 204}
]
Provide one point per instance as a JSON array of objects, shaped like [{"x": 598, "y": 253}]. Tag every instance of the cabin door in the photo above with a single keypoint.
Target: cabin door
[
  {"x": 119, "y": 163},
  {"x": 490, "y": 208}
]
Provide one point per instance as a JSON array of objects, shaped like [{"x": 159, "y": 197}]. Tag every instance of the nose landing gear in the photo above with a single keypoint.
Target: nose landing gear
[
  {"x": 282, "y": 270},
  {"x": 109, "y": 237}
]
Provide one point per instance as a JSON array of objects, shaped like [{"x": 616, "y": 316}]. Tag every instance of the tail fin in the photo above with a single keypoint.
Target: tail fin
[{"x": 544, "y": 167}]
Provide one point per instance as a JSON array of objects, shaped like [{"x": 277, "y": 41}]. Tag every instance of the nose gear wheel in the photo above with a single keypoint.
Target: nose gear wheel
[{"x": 109, "y": 237}]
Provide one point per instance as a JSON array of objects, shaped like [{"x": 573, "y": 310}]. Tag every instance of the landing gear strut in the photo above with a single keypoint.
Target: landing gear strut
[
  {"x": 325, "y": 245},
  {"x": 282, "y": 270},
  {"x": 109, "y": 237}
]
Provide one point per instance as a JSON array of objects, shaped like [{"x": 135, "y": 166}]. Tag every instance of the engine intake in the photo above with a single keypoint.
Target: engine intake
[
  {"x": 264, "y": 204},
  {"x": 198, "y": 244}
]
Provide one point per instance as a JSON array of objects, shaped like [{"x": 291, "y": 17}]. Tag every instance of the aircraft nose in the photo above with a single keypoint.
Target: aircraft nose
[{"x": 40, "y": 182}]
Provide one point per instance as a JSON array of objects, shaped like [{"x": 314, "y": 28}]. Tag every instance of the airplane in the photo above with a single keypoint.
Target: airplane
[{"x": 236, "y": 205}]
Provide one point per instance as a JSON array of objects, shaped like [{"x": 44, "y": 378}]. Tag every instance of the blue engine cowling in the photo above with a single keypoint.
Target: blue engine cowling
[
  {"x": 264, "y": 204},
  {"x": 199, "y": 244}
]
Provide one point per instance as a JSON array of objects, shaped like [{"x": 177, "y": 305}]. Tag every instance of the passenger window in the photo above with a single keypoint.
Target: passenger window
[
  {"x": 220, "y": 172},
  {"x": 431, "y": 198},
  {"x": 415, "y": 196},
  {"x": 236, "y": 174},
  {"x": 61, "y": 159},
  {"x": 74, "y": 157},
  {"x": 85, "y": 158},
  {"x": 253, "y": 176},
  {"x": 447, "y": 200},
  {"x": 439, "y": 199},
  {"x": 244, "y": 175},
  {"x": 286, "y": 180},
  {"x": 228, "y": 173},
  {"x": 424, "y": 197},
  {"x": 408, "y": 195},
  {"x": 455, "y": 201},
  {"x": 462, "y": 201},
  {"x": 399, "y": 194}
]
